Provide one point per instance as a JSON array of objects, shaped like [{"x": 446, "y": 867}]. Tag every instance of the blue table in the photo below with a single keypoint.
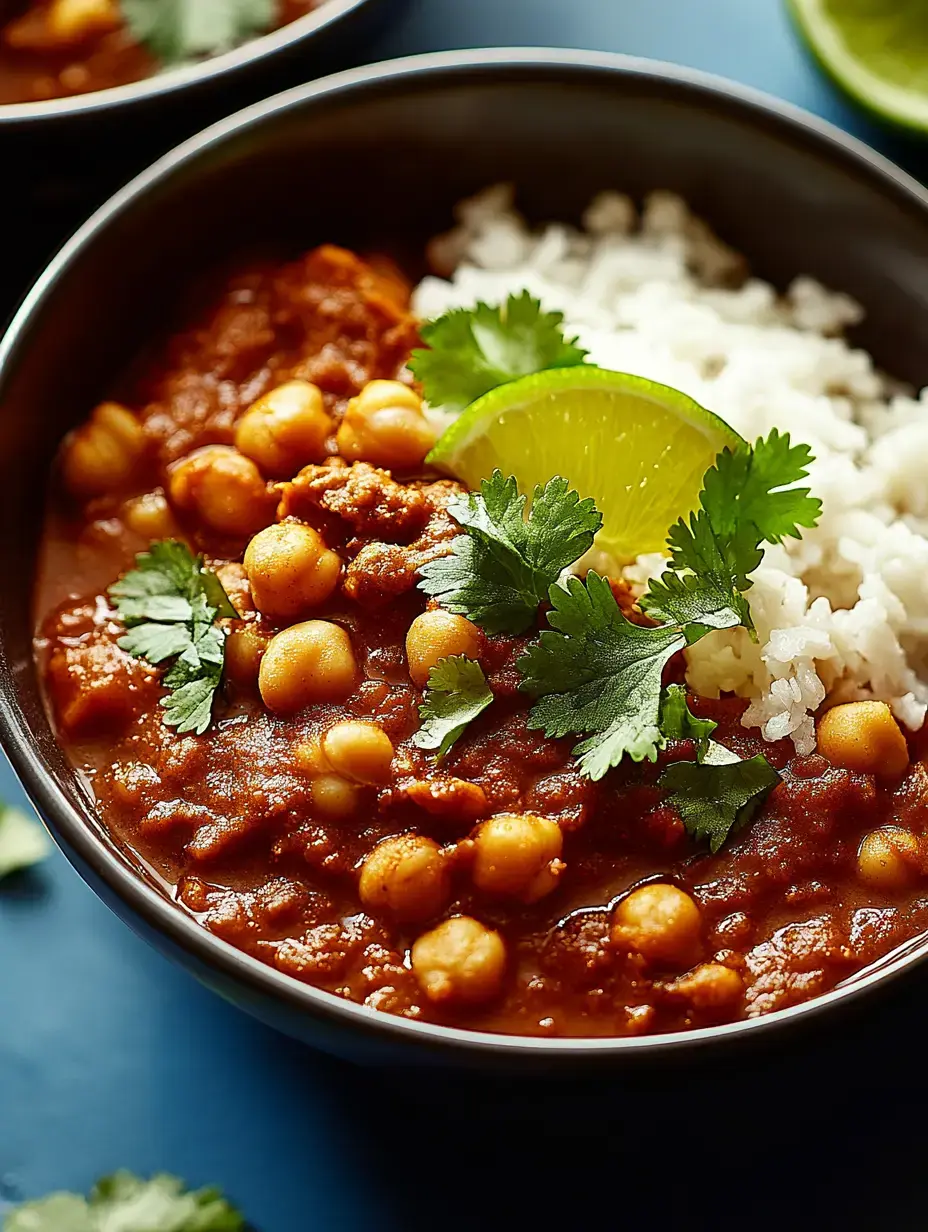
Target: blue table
[{"x": 110, "y": 1057}]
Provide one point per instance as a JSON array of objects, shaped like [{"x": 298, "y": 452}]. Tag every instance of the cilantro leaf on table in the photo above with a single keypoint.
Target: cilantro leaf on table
[
  {"x": 501, "y": 567},
  {"x": 473, "y": 350},
  {"x": 457, "y": 693},
  {"x": 597, "y": 673},
  {"x": 719, "y": 794},
  {"x": 169, "y": 603},
  {"x": 126, "y": 1203},
  {"x": 178, "y": 30},
  {"x": 23, "y": 841},
  {"x": 746, "y": 501},
  {"x": 678, "y": 722}
]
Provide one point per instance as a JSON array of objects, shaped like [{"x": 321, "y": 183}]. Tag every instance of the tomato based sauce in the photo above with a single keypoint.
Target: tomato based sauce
[
  {"x": 267, "y": 848},
  {"x": 44, "y": 55}
]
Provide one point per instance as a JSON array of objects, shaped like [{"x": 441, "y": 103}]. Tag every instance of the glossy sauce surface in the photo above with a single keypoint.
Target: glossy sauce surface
[{"x": 230, "y": 818}]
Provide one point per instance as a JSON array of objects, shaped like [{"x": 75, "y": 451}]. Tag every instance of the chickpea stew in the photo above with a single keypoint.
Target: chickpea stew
[
  {"x": 294, "y": 712},
  {"x": 58, "y": 48}
]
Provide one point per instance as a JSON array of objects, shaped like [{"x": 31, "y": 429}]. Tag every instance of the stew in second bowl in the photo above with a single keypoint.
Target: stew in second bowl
[{"x": 58, "y": 48}]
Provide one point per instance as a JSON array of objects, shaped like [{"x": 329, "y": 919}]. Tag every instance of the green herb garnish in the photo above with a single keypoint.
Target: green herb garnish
[
  {"x": 596, "y": 674},
  {"x": 179, "y": 30},
  {"x": 745, "y": 502},
  {"x": 125, "y": 1203},
  {"x": 472, "y": 350},
  {"x": 23, "y": 841},
  {"x": 457, "y": 693},
  {"x": 599, "y": 675},
  {"x": 679, "y": 723},
  {"x": 501, "y": 570},
  {"x": 169, "y": 604},
  {"x": 719, "y": 794}
]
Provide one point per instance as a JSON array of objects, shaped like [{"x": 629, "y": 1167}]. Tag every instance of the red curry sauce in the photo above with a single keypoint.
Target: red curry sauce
[
  {"x": 230, "y": 822},
  {"x": 44, "y": 55}
]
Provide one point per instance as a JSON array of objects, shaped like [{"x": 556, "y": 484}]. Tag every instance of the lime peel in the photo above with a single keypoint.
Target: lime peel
[{"x": 876, "y": 50}]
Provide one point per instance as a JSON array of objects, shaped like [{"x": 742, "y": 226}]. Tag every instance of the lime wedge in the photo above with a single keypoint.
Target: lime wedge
[
  {"x": 876, "y": 49},
  {"x": 638, "y": 448}
]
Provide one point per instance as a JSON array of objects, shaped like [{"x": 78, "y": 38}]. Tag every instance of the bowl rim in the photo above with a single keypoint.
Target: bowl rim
[
  {"x": 159, "y": 912},
  {"x": 169, "y": 80}
]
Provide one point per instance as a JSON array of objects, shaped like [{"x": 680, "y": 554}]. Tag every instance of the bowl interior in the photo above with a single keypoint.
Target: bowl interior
[{"x": 377, "y": 159}]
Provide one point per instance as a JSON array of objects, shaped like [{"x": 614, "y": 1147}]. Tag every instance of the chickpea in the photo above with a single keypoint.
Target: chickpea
[
  {"x": 863, "y": 736},
  {"x": 245, "y": 648},
  {"x": 150, "y": 517},
  {"x": 333, "y": 796},
  {"x": 659, "y": 922},
  {"x": 285, "y": 429},
  {"x": 360, "y": 751},
  {"x": 309, "y": 662},
  {"x": 70, "y": 21},
  {"x": 459, "y": 960},
  {"x": 103, "y": 453},
  {"x": 710, "y": 986},
  {"x": 221, "y": 487},
  {"x": 517, "y": 853},
  {"x": 385, "y": 425},
  {"x": 406, "y": 876},
  {"x": 290, "y": 570},
  {"x": 434, "y": 635},
  {"x": 886, "y": 858}
]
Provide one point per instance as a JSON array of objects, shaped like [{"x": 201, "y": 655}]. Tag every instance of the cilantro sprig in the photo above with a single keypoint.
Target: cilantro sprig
[
  {"x": 598, "y": 674},
  {"x": 594, "y": 673},
  {"x": 719, "y": 793},
  {"x": 456, "y": 694},
  {"x": 169, "y": 604},
  {"x": 179, "y": 30},
  {"x": 472, "y": 350},
  {"x": 748, "y": 499},
  {"x": 502, "y": 568},
  {"x": 126, "y": 1203}
]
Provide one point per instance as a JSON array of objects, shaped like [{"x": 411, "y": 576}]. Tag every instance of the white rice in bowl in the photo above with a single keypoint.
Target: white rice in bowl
[{"x": 840, "y": 614}]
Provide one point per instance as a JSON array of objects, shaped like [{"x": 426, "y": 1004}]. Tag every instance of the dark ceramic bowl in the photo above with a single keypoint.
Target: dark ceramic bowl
[{"x": 403, "y": 142}]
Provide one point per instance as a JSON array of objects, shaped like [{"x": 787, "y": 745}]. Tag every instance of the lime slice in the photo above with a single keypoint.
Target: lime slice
[
  {"x": 638, "y": 448},
  {"x": 876, "y": 49}
]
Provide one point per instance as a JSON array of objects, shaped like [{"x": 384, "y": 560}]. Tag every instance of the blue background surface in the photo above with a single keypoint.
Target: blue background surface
[{"x": 110, "y": 1057}]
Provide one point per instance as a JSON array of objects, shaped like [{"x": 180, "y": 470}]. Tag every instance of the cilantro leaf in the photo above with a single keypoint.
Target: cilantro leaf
[
  {"x": 753, "y": 485},
  {"x": 599, "y": 674},
  {"x": 178, "y": 30},
  {"x": 746, "y": 501},
  {"x": 699, "y": 586},
  {"x": 59, "y": 1212},
  {"x": 126, "y": 1203},
  {"x": 472, "y": 350},
  {"x": 720, "y": 794},
  {"x": 500, "y": 569},
  {"x": 23, "y": 841},
  {"x": 457, "y": 693},
  {"x": 156, "y": 642},
  {"x": 679, "y": 723},
  {"x": 169, "y": 603}
]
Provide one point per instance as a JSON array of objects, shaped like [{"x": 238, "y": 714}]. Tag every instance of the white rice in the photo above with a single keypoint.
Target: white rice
[{"x": 841, "y": 614}]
